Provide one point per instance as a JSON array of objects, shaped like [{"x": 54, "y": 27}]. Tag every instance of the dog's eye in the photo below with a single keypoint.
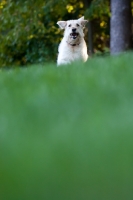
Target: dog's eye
[
  {"x": 69, "y": 25},
  {"x": 77, "y": 24}
]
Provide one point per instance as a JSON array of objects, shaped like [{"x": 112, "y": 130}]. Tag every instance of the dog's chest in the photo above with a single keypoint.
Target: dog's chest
[
  {"x": 69, "y": 53},
  {"x": 74, "y": 51}
]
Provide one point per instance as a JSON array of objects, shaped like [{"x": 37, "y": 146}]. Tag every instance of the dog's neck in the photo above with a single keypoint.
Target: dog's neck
[{"x": 73, "y": 42}]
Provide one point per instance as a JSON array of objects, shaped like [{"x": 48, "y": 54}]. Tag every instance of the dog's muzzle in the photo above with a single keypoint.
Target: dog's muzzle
[{"x": 74, "y": 34}]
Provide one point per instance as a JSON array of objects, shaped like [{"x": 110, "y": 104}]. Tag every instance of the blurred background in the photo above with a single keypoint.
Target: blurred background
[
  {"x": 66, "y": 133},
  {"x": 29, "y": 33}
]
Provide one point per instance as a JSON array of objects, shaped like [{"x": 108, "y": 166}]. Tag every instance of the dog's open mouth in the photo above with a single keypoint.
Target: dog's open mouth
[{"x": 74, "y": 35}]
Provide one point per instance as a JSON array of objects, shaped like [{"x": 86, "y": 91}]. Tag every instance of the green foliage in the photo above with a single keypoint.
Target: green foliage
[
  {"x": 29, "y": 33},
  {"x": 99, "y": 13},
  {"x": 98, "y": 8},
  {"x": 66, "y": 133}
]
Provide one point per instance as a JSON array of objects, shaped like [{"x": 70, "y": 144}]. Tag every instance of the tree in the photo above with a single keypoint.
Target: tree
[
  {"x": 120, "y": 32},
  {"x": 98, "y": 13},
  {"x": 90, "y": 38}
]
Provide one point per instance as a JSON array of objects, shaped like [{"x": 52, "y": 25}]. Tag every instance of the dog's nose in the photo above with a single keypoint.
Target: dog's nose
[{"x": 73, "y": 29}]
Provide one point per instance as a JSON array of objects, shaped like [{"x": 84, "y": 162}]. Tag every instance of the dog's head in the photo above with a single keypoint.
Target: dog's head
[{"x": 73, "y": 28}]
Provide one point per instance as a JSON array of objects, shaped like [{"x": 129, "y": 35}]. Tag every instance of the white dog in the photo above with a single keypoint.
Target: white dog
[{"x": 72, "y": 46}]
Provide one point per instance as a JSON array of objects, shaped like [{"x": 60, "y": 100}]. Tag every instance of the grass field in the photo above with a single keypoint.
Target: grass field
[{"x": 67, "y": 133}]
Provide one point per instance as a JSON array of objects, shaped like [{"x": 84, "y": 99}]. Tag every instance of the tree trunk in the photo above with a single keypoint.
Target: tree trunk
[
  {"x": 90, "y": 37},
  {"x": 120, "y": 33}
]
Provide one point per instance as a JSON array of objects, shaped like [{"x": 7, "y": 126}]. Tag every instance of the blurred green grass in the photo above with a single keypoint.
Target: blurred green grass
[{"x": 67, "y": 133}]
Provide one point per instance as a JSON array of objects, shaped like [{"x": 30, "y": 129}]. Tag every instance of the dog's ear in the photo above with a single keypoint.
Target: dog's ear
[
  {"x": 81, "y": 18},
  {"x": 62, "y": 24},
  {"x": 83, "y": 21}
]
